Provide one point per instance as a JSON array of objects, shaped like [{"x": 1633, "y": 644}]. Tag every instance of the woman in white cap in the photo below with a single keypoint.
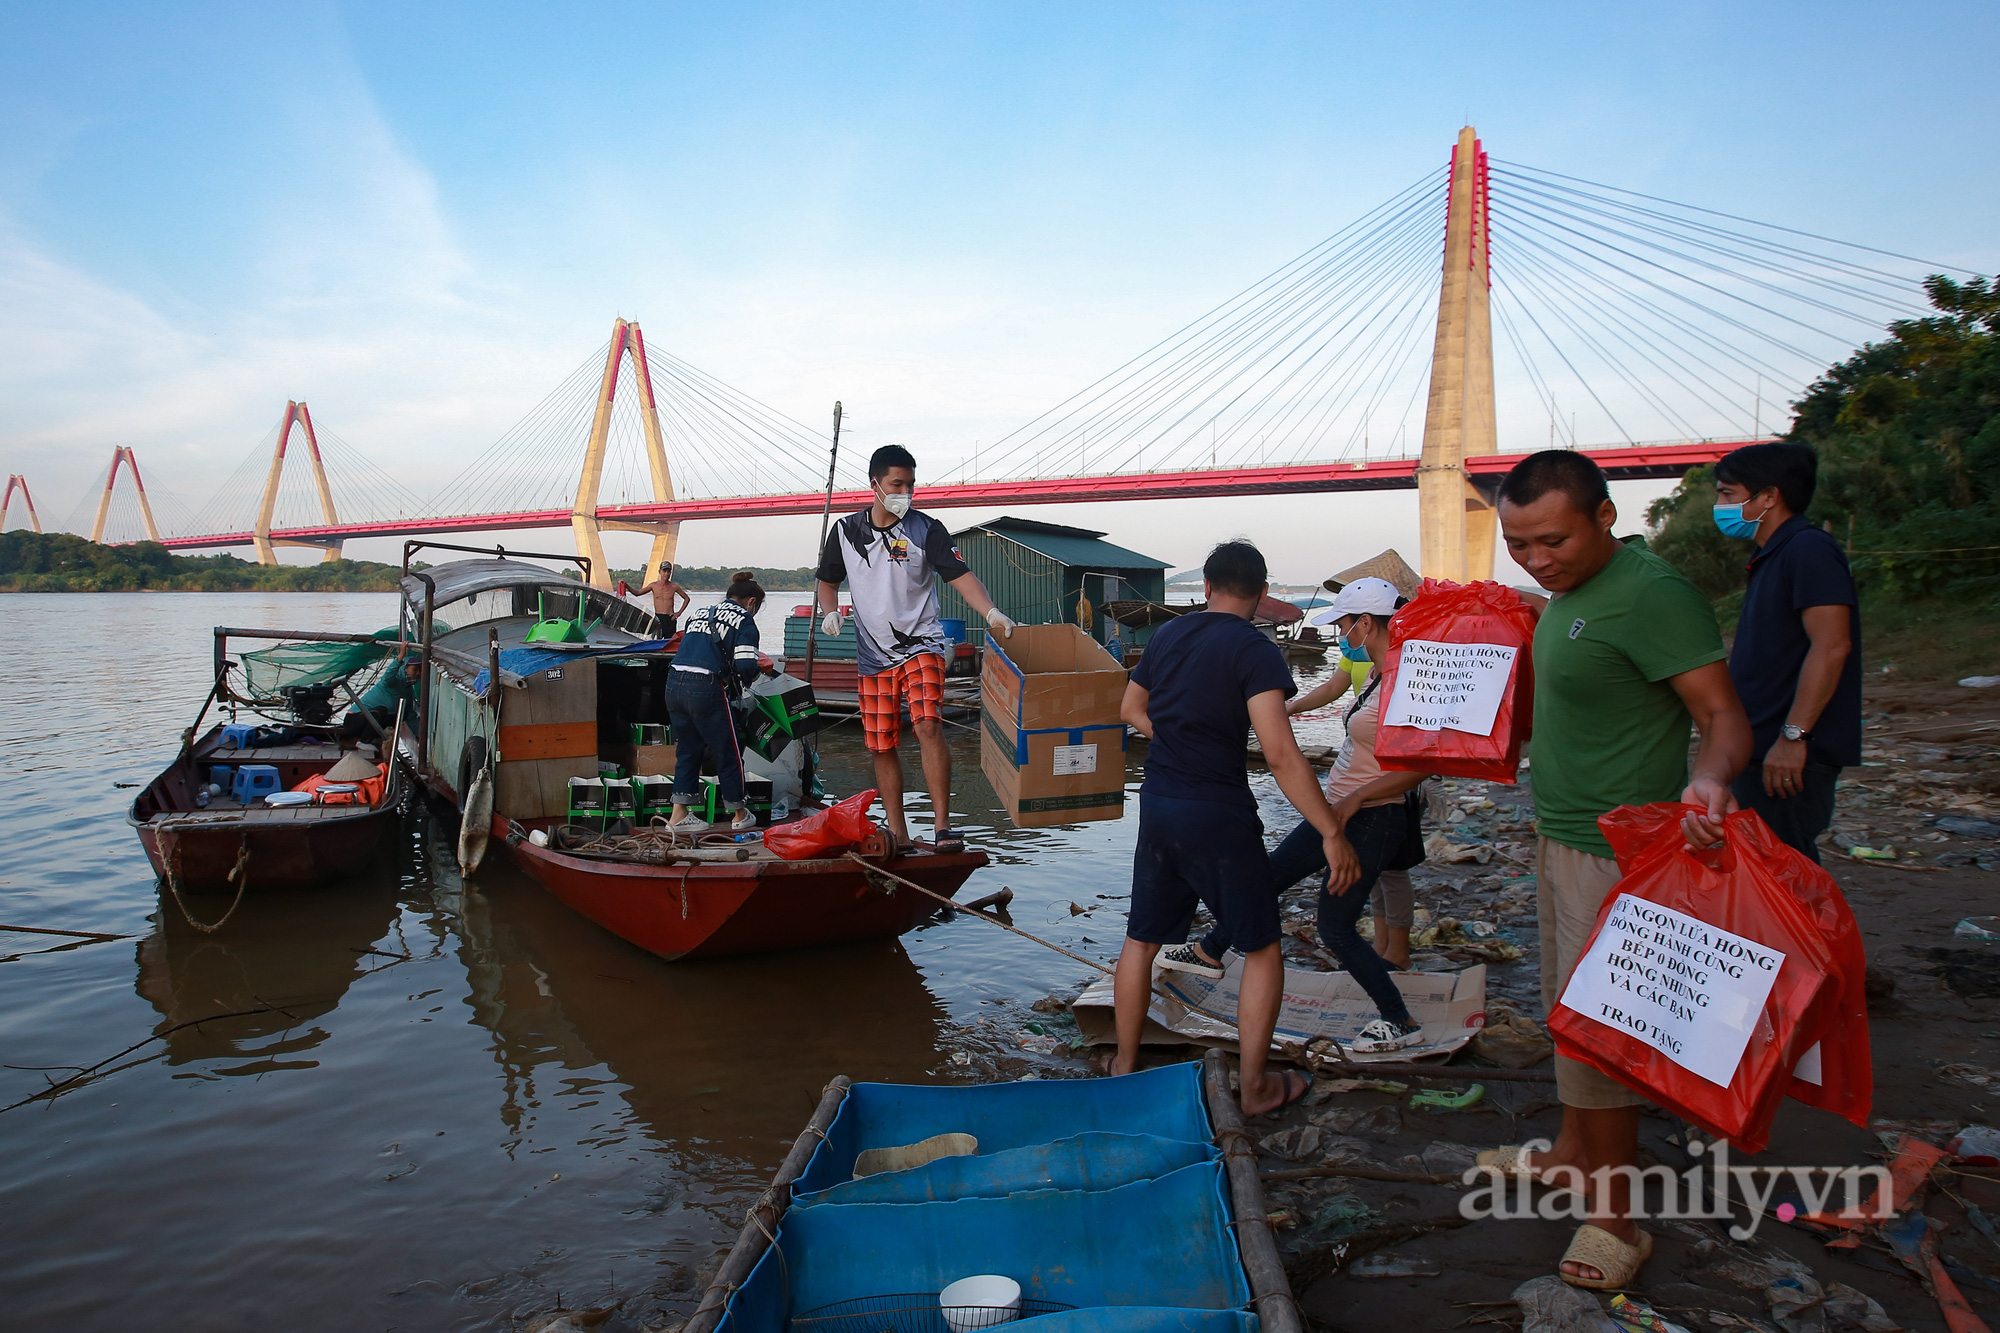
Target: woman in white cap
[{"x": 1370, "y": 805}]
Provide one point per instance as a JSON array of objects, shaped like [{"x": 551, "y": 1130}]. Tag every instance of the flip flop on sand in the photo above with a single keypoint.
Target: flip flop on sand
[
  {"x": 1619, "y": 1263},
  {"x": 1297, "y": 1085},
  {"x": 1507, "y": 1161}
]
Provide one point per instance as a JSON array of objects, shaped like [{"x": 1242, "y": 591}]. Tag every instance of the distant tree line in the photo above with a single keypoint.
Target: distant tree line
[
  {"x": 713, "y": 578},
  {"x": 63, "y": 562},
  {"x": 1908, "y": 436}
]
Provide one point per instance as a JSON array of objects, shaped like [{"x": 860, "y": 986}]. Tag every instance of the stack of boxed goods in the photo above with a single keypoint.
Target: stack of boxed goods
[{"x": 1053, "y": 745}]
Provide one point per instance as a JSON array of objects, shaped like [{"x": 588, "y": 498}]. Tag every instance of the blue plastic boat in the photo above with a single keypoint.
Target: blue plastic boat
[{"x": 1107, "y": 1200}]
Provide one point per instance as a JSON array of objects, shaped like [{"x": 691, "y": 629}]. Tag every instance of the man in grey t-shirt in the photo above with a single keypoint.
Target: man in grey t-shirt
[{"x": 891, "y": 557}]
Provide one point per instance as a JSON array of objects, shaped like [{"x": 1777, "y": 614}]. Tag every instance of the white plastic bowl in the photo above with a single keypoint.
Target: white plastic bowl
[{"x": 974, "y": 1303}]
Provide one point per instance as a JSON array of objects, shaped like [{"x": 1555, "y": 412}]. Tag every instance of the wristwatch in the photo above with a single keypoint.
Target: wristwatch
[{"x": 1792, "y": 733}]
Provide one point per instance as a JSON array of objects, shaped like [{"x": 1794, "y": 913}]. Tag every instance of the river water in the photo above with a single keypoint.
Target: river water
[{"x": 461, "y": 1104}]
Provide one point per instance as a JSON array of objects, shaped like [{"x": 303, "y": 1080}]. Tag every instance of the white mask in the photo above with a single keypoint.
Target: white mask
[{"x": 897, "y": 504}]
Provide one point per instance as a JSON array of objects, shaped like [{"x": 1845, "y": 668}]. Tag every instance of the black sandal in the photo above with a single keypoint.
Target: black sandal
[{"x": 947, "y": 840}]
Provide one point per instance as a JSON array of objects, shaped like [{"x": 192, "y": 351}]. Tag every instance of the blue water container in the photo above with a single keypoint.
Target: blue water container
[
  {"x": 223, "y": 776},
  {"x": 254, "y": 782},
  {"x": 954, "y": 630},
  {"x": 236, "y": 736}
]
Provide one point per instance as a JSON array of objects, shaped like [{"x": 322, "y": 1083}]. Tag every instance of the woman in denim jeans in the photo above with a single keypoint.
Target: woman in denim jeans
[
  {"x": 716, "y": 659},
  {"x": 1369, "y": 803}
]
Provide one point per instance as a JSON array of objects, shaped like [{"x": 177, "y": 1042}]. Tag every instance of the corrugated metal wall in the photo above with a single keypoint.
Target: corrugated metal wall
[{"x": 1026, "y": 584}]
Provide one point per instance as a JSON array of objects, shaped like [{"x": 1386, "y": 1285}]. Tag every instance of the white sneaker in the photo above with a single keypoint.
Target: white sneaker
[
  {"x": 745, "y": 820},
  {"x": 1382, "y": 1035},
  {"x": 688, "y": 824},
  {"x": 1183, "y": 958}
]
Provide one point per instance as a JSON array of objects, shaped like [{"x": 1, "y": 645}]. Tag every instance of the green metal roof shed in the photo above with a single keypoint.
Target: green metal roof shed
[{"x": 1036, "y": 572}]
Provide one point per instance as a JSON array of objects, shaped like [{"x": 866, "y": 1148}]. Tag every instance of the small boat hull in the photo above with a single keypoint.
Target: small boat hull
[
  {"x": 296, "y": 848},
  {"x": 761, "y": 906}
]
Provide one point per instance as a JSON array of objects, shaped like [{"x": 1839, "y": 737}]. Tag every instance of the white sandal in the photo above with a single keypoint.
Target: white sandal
[{"x": 1507, "y": 1161}]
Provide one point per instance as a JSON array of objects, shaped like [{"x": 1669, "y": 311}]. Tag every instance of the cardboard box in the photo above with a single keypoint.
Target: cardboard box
[{"x": 1052, "y": 744}]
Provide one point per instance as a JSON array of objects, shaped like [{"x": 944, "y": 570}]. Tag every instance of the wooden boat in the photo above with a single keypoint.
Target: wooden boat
[
  {"x": 532, "y": 716},
  {"x": 222, "y": 845},
  {"x": 1122, "y": 1205},
  {"x": 757, "y": 905}
]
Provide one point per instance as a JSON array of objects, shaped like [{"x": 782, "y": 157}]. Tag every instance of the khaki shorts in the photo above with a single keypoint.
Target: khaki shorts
[
  {"x": 1393, "y": 900},
  {"x": 1570, "y": 887}
]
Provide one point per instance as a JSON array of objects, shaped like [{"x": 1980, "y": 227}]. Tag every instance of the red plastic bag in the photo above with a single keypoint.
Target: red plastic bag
[
  {"x": 1706, "y": 978},
  {"x": 1846, "y": 1075},
  {"x": 1427, "y": 682},
  {"x": 1846, "y": 1082},
  {"x": 831, "y": 830}
]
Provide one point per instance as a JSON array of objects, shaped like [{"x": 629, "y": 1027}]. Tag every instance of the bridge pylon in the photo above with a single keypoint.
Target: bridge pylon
[
  {"x": 626, "y": 339},
  {"x": 296, "y": 414},
  {"x": 1456, "y": 516},
  {"x": 120, "y": 454},
  {"x": 16, "y": 480}
]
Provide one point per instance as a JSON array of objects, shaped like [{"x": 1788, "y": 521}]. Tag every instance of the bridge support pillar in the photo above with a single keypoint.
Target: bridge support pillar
[
  {"x": 1456, "y": 518},
  {"x": 625, "y": 339},
  {"x": 260, "y": 535},
  {"x": 119, "y": 454},
  {"x": 16, "y": 480}
]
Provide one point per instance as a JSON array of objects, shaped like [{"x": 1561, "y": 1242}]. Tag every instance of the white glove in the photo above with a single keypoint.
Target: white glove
[
  {"x": 1001, "y": 623},
  {"x": 829, "y": 624}
]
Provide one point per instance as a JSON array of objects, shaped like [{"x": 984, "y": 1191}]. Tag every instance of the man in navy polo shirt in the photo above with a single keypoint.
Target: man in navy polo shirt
[
  {"x": 1796, "y": 662},
  {"x": 1203, "y": 683}
]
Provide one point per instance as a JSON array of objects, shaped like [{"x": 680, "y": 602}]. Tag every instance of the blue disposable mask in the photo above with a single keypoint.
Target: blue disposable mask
[
  {"x": 1352, "y": 651},
  {"x": 1730, "y": 521}
]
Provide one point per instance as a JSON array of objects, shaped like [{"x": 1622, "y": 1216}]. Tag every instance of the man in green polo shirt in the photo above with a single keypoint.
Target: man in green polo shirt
[{"x": 1627, "y": 659}]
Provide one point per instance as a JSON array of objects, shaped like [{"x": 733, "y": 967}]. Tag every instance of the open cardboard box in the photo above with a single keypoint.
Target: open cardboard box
[{"x": 1052, "y": 744}]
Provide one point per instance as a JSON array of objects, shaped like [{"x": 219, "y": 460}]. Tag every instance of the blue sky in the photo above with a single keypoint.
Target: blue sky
[{"x": 950, "y": 217}]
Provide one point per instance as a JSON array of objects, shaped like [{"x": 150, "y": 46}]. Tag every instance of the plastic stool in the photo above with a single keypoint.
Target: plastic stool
[
  {"x": 236, "y": 736},
  {"x": 223, "y": 776},
  {"x": 253, "y": 782}
]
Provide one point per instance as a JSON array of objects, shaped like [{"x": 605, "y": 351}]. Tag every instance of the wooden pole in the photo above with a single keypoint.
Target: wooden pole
[
  {"x": 825, "y": 519},
  {"x": 583, "y": 514},
  {"x": 1270, "y": 1290},
  {"x": 1456, "y": 520}
]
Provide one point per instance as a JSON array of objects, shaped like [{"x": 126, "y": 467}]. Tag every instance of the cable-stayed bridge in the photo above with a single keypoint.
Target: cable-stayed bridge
[{"x": 1662, "y": 333}]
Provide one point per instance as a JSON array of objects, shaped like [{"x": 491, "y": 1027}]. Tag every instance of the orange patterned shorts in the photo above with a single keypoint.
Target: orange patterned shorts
[{"x": 920, "y": 678}]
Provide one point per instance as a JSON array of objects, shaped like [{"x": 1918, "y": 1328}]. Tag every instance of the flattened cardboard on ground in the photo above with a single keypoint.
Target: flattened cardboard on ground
[
  {"x": 1052, "y": 744},
  {"x": 1450, "y": 1005}
]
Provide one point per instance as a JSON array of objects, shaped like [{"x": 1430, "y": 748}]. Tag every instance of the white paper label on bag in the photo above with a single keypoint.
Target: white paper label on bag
[
  {"x": 1808, "y": 1066},
  {"x": 1455, "y": 685},
  {"x": 1691, "y": 991},
  {"x": 1074, "y": 759}
]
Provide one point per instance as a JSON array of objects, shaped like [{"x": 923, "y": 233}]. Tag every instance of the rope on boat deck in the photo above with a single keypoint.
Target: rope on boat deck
[{"x": 239, "y": 873}]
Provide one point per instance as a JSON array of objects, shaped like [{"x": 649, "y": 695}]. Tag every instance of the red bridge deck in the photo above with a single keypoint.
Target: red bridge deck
[{"x": 1388, "y": 474}]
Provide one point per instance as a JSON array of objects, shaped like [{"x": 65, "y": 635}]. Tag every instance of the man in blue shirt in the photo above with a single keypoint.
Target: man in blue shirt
[
  {"x": 1202, "y": 684},
  {"x": 1796, "y": 661}
]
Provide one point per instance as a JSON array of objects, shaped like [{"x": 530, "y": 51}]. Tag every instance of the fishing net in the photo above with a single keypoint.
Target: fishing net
[{"x": 267, "y": 671}]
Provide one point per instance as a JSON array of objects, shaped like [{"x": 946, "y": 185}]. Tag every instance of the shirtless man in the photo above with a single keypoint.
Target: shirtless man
[{"x": 669, "y": 600}]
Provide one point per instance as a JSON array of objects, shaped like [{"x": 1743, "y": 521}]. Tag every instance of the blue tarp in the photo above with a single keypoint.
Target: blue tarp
[
  {"x": 527, "y": 661},
  {"x": 1093, "y": 1161},
  {"x": 1165, "y": 1101},
  {"x": 1103, "y": 1194}
]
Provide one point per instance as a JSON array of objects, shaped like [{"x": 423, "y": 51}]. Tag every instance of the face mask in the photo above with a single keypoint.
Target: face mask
[
  {"x": 1729, "y": 519},
  {"x": 898, "y": 505},
  {"x": 1352, "y": 651}
]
